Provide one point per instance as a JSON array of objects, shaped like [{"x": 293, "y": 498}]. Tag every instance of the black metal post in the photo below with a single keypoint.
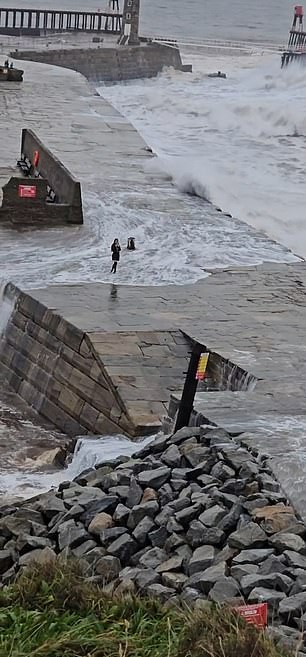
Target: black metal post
[{"x": 190, "y": 388}]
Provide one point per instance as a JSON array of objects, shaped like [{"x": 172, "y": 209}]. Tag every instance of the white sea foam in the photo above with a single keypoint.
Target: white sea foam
[
  {"x": 239, "y": 142},
  {"x": 88, "y": 452},
  {"x": 6, "y": 308}
]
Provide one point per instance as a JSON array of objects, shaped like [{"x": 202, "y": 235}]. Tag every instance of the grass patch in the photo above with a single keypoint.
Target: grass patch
[{"x": 54, "y": 611}]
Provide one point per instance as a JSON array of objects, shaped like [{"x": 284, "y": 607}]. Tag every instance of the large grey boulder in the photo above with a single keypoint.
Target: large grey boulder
[
  {"x": 253, "y": 556},
  {"x": 14, "y": 526},
  {"x": 273, "y": 598},
  {"x": 174, "y": 580},
  {"x": 201, "y": 559},
  {"x": 229, "y": 522},
  {"x": 198, "y": 535},
  {"x": 210, "y": 576},
  {"x": 185, "y": 516},
  {"x": 154, "y": 478},
  {"x": 252, "y": 581},
  {"x": 153, "y": 558},
  {"x": 213, "y": 515},
  {"x": 142, "y": 530},
  {"x": 99, "y": 522},
  {"x": 111, "y": 534},
  {"x": 82, "y": 549},
  {"x": 172, "y": 457},
  {"x": 135, "y": 493},
  {"x": 26, "y": 542},
  {"x": 236, "y": 458},
  {"x": 71, "y": 534},
  {"x": 240, "y": 571},
  {"x": 146, "y": 577},
  {"x": 140, "y": 511},
  {"x": 49, "y": 505},
  {"x": 196, "y": 456},
  {"x": 226, "y": 588},
  {"x": 251, "y": 535},
  {"x": 182, "y": 434},
  {"x": 108, "y": 567},
  {"x": 172, "y": 564},
  {"x": 272, "y": 565},
  {"x": 158, "y": 537},
  {"x": 163, "y": 593},
  {"x": 286, "y": 541},
  {"x": 294, "y": 559},
  {"x": 123, "y": 548},
  {"x": 107, "y": 503},
  {"x": 293, "y": 606},
  {"x": 121, "y": 513},
  {"x": 6, "y": 561}
]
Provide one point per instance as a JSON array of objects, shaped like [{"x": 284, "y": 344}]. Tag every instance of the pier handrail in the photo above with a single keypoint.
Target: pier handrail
[{"x": 221, "y": 43}]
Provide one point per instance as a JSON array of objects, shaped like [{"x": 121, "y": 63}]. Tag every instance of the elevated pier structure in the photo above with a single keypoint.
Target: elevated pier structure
[
  {"x": 296, "y": 50},
  {"x": 41, "y": 21}
]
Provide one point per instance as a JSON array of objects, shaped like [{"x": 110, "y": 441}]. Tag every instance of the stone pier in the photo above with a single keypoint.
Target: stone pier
[{"x": 104, "y": 358}]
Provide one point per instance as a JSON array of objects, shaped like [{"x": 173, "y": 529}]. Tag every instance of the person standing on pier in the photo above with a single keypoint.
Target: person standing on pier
[{"x": 115, "y": 249}]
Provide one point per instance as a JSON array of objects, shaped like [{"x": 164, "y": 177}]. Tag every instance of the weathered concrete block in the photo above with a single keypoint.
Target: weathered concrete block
[
  {"x": 61, "y": 419},
  {"x": 89, "y": 416}
]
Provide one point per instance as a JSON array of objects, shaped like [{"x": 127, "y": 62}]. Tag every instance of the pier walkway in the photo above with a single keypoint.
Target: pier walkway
[{"x": 36, "y": 21}]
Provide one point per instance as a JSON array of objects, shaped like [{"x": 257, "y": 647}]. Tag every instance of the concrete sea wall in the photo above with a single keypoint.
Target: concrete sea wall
[
  {"x": 51, "y": 364},
  {"x": 67, "y": 189},
  {"x": 110, "y": 64}
]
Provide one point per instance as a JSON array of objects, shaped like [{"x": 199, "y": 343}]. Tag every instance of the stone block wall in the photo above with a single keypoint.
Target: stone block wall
[
  {"x": 49, "y": 167},
  {"x": 228, "y": 376},
  {"x": 52, "y": 366},
  {"x": 110, "y": 64}
]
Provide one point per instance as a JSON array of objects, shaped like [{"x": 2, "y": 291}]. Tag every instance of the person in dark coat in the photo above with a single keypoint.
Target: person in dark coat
[{"x": 115, "y": 249}]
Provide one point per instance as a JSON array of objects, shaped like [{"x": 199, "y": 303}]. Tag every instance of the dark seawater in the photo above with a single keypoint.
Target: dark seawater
[{"x": 223, "y": 19}]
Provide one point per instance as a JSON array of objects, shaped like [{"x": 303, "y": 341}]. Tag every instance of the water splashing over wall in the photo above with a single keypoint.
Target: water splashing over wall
[{"x": 6, "y": 308}]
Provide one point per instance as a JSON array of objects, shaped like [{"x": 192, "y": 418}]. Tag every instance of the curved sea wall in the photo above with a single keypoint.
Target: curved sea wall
[{"x": 110, "y": 64}]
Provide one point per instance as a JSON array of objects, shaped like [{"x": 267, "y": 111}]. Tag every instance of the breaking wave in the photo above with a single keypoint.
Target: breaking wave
[{"x": 239, "y": 142}]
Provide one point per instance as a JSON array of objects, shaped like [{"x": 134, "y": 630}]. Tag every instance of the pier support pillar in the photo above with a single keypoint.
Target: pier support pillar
[{"x": 130, "y": 24}]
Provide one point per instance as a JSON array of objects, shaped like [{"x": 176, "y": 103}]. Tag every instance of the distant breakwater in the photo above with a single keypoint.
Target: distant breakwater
[{"x": 110, "y": 64}]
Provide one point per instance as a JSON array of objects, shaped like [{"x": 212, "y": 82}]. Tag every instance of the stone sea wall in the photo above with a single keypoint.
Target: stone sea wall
[
  {"x": 51, "y": 364},
  {"x": 109, "y": 64},
  {"x": 193, "y": 518}
]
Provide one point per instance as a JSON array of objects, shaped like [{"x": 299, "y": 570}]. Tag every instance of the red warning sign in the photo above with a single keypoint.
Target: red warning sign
[
  {"x": 27, "y": 191},
  {"x": 256, "y": 614}
]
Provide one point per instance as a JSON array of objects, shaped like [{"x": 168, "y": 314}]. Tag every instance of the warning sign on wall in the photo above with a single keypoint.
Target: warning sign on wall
[
  {"x": 201, "y": 371},
  {"x": 27, "y": 191},
  {"x": 256, "y": 614}
]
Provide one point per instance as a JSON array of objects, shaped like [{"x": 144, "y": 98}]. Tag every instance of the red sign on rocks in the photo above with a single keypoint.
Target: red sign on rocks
[
  {"x": 256, "y": 614},
  {"x": 27, "y": 191}
]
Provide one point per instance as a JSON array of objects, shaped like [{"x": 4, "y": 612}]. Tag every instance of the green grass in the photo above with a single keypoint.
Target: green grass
[{"x": 54, "y": 611}]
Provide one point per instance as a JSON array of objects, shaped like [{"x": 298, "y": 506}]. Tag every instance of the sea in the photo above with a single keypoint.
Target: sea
[{"x": 237, "y": 142}]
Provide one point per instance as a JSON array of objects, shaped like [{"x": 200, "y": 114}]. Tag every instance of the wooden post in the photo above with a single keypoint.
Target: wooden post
[{"x": 190, "y": 388}]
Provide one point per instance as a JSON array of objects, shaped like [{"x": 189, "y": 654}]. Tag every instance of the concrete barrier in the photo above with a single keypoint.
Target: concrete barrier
[
  {"x": 110, "y": 64},
  {"x": 27, "y": 199},
  {"x": 67, "y": 189}
]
